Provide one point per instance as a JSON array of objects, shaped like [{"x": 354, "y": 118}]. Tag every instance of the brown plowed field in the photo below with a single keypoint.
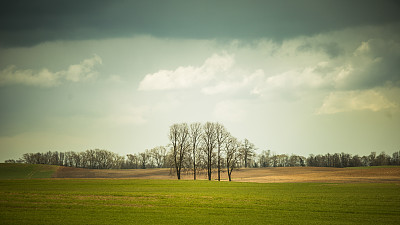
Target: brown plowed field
[{"x": 260, "y": 175}]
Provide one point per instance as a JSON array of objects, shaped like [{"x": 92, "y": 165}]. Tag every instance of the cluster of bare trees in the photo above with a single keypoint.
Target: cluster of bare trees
[{"x": 207, "y": 146}]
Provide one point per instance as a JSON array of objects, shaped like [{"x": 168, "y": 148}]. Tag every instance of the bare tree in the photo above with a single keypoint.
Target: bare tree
[
  {"x": 195, "y": 137},
  {"x": 117, "y": 161},
  {"x": 396, "y": 158},
  {"x": 174, "y": 139},
  {"x": 232, "y": 146},
  {"x": 133, "y": 161},
  {"x": 264, "y": 158},
  {"x": 247, "y": 151},
  {"x": 179, "y": 137},
  {"x": 209, "y": 141},
  {"x": 144, "y": 157},
  {"x": 159, "y": 154},
  {"x": 221, "y": 136},
  {"x": 91, "y": 156}
]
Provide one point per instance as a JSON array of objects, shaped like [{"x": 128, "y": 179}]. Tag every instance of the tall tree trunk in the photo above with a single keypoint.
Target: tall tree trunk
[
  {"x": 194, "y": 170},
  {"x": 219, "y": 163},
  {"x": 178, "y": 173},
  {"x": 194, "y": 162},
  {"x": 209, "y": 167},
  {"x": 177, "y": 170}
]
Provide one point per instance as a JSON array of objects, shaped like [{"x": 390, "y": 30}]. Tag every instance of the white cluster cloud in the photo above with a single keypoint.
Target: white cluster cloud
[
  {"x": 346, "y": 101},
  {"x": 82, "y": 71},
  {"x": 187, "y": 76},
  {"x": 11, "y": 75},
  {"x": 304, "y": 78},
  {"x": 233, "y": 85},
  {"x": 45, "y": 78}
]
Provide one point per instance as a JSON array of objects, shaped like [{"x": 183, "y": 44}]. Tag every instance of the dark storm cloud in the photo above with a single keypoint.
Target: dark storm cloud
[
  {"x": 25, "y": 23},
  {"x": 376, "y": 63}
]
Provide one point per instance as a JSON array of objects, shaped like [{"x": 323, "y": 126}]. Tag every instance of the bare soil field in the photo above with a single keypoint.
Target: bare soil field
[{"x": 259, "y": 175}]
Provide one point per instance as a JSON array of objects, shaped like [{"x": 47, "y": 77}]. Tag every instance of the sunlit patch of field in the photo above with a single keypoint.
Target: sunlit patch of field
[
  {"x": 260, "y": 175},
  {"x": 320, "y": 174},
  {"x": 131, "y": 201},
  {"x": 387, "y": 174}
]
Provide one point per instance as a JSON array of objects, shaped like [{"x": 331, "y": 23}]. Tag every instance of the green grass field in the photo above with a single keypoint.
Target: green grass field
[
  {"x": 118, "y": 201},
  {"x": 25, "y": 171},
  {"x": 24, "y": 200}
]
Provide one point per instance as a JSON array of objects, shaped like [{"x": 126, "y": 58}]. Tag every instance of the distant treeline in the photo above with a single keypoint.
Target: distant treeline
[
  {"x": 339, "y": 160},
  {"x": 201, "y": 148},
  {"x": 158, "y": 158},
  {"x": 97, "y": 159}
]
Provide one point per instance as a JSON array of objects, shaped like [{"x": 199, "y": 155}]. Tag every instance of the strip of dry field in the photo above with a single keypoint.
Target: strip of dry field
[{"x": 260, "y": 175}]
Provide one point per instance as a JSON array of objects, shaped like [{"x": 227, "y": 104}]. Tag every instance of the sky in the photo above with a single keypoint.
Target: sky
[{"x": 295, "y": 77}]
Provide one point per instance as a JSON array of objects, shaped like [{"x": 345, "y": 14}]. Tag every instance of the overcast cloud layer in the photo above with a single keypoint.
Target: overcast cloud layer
[
  {"x": 28, "y": 23},
  {"x": 291, "y": 76}
]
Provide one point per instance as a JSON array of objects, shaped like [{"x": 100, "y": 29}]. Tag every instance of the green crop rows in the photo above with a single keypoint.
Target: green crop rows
[{"x": 118, "y": 201}]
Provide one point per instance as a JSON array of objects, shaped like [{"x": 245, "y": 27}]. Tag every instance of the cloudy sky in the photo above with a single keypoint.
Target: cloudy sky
[{"x": 295, "y": 77}]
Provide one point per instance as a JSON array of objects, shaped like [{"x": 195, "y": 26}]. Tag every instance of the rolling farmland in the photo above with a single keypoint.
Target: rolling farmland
[{"x": 160, "y": 201}]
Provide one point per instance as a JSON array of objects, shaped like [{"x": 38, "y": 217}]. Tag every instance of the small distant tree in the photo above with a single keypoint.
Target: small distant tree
[
  {"x": 232, "y": 146},
  {"x": 9, "y": 161},
  {"x": 371, "y": 159},
  {"x": 144, "y": 156},
  {"x": 382, "y": 159},
  {"x": 133, "y": 161},
  {"x": 247, "y": 151},
  {"x": 159, "y": 155},
  {"x": 396, "y": 158},
  {"x": 264, "y": 158}
]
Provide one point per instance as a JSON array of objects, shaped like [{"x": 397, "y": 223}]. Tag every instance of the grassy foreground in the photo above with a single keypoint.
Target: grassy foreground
[
  {"x": 118, "y": 201},
  {"x": 26, "y": 171}
]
